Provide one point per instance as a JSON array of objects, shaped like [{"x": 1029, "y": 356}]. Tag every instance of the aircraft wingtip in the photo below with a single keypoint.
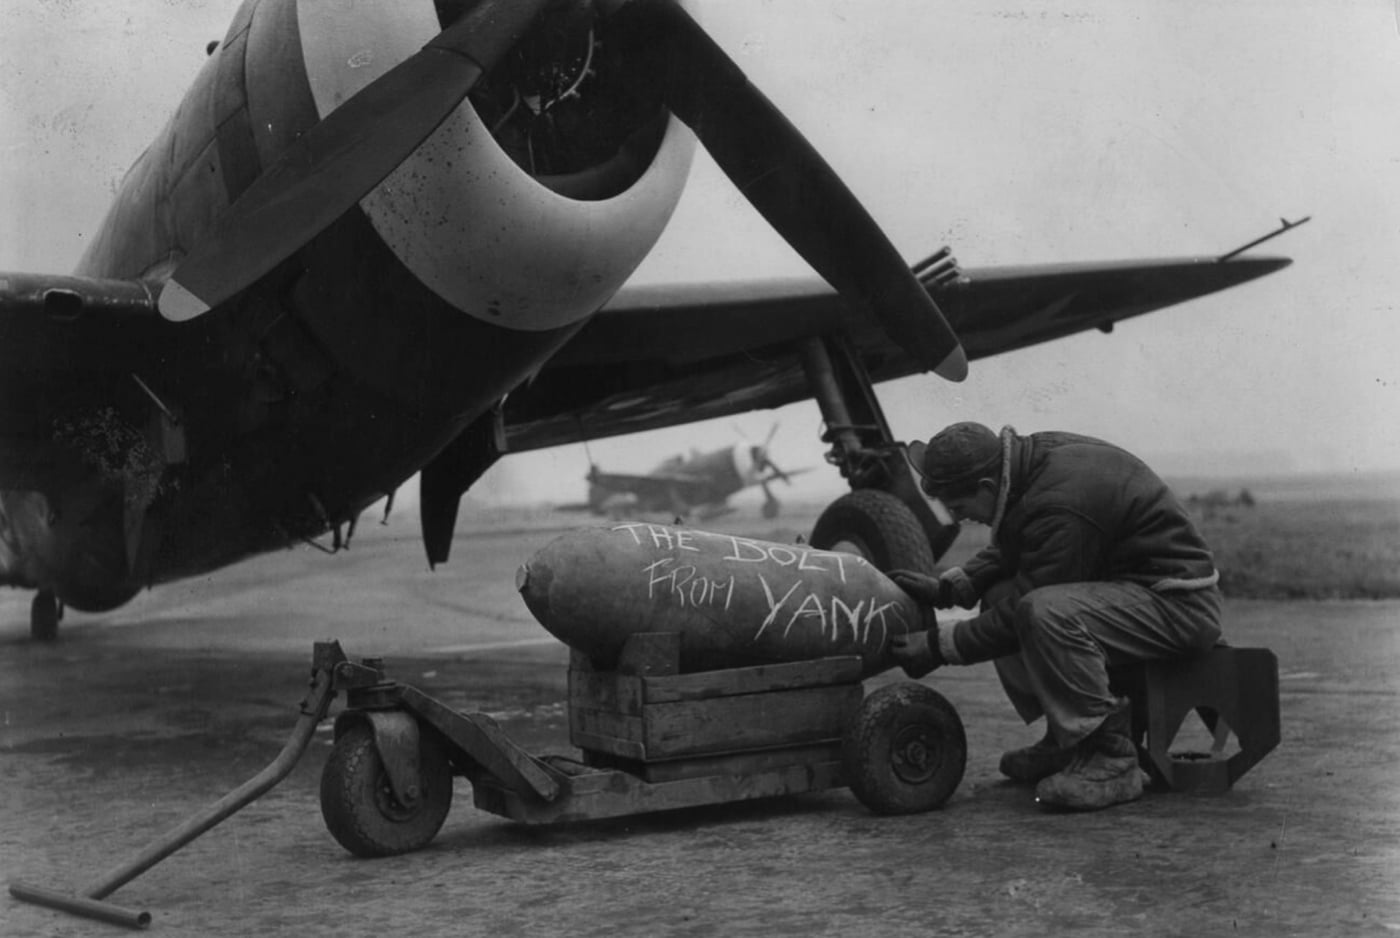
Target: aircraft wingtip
[
  {"x": 954, "y": 366},
  {"x": 178, "y": 304}
]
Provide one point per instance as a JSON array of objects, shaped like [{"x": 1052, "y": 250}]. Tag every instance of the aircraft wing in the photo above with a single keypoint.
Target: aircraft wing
[
  {"x": 659, "y": 356},
  {"x": 786, "y": 474},
  {"x": 648, "y": 486}
]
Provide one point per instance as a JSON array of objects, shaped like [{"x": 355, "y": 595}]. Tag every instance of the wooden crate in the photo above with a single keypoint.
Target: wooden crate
[
  {"x": 645, "y": 712},
  {"x": 655, "y": 740}
]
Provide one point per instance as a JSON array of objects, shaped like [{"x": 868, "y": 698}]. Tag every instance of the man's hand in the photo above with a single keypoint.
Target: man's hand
[
  {"x": 931, "y": 591},
  {"x": 917, "y": 652},
  {"x": 949, "y": 589}
]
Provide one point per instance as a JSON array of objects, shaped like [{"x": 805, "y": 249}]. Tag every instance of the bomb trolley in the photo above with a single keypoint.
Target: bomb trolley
[
  {"x": 650, "y": 739},
  {"x": 654, "y": 739}
]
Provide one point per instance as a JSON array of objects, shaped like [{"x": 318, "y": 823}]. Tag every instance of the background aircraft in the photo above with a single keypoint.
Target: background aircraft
[
  {"x": 698, "y": 483},
  {"x": 380, "y": 238}
]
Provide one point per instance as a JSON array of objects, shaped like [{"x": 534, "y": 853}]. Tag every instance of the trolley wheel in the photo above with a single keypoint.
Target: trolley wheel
[
  {"x": 358, "y": 803},
  {"x": 904, "y": 749},
  {"x": 877, "y": 526}
]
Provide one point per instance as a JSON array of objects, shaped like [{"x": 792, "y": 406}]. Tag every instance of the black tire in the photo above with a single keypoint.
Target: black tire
[
  {"x": 904, "y": 750},
  {"x": 44, "y": 615},
  {"x": 877, "y": 526},
  {"x": 359, "y": 807}
]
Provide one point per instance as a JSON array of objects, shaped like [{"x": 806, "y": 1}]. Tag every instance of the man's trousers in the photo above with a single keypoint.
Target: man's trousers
[{"x": 1072, "y": 633}]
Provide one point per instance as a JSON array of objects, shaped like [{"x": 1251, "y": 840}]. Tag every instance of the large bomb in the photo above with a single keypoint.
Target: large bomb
[{"x": 735, "y": 601}]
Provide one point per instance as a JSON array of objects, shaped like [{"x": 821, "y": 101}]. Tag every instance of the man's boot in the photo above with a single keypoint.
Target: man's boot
[
  {"x": 1104, "y": 771},
  {"x": 1039, "y": 760}
]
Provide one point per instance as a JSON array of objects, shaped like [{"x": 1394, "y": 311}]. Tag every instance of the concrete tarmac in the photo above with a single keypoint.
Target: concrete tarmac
[{"x": 137, "y": 719}]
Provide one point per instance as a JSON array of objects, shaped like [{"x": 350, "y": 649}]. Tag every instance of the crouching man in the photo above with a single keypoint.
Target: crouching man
[{"x": 1093, "y": 563}]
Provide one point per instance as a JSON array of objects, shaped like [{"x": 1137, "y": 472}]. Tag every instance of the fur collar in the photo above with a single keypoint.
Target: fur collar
[{"x": 1008, "y": 436}]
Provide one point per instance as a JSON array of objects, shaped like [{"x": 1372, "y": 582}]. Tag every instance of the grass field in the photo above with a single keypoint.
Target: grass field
[
  {"x": 1324, "y": 549},
  {"x": 1321, "y": 548}
]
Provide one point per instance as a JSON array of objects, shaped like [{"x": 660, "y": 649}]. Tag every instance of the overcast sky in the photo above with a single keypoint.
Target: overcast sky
[{"x": 1029, "y": 132}]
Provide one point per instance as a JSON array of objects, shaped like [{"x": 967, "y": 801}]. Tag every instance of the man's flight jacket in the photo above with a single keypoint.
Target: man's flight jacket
[{"x": 1075, "y": 509}]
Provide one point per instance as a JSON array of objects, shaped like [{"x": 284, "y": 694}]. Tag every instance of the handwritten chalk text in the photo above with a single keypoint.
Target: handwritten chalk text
[
  {"x": 833, "y": 612},
  {"x": 660, "y": 536},
  {"x": 742, "y": 549},
  {"x": 682, "y": 584},
  {"x": 796, "y": 582}
]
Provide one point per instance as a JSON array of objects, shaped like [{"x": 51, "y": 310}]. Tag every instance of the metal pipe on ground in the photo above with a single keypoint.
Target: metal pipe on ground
[
  {"x": 87, "y": 902},
  {"x": 78, "y": 905}
]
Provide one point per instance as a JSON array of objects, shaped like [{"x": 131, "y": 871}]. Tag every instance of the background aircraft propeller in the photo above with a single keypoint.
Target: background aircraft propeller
[
  {"x": 771, "y": 505},
  {"x": 759, "y": 455}
]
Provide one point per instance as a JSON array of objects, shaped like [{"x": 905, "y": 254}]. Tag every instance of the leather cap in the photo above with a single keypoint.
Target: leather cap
[{"x": 957, "y": 456}]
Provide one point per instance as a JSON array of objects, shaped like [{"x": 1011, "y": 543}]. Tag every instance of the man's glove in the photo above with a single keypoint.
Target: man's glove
[
  {"x": 952, "y": 588},
  {"x": 927, "y": 590},
  {"x": 917, "y": 652}
]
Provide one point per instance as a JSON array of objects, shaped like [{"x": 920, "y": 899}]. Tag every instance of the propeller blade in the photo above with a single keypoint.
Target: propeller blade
[
  {"x": 784, "y": 177},
  {"x": 338, "y": 161},
  {"x": 770, "y": 503},
  {"x": 772, "y": 432},
  {"x": 778, "y": 473}
]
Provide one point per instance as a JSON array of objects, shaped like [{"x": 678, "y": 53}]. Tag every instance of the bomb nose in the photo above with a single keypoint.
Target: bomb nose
[{"x": 532, "y": 580}]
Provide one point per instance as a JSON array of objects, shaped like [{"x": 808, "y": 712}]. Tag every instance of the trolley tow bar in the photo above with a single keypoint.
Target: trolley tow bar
[{"x": 88, "y": 901}]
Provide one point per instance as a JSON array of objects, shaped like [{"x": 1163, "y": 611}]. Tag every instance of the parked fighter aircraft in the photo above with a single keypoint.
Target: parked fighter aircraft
[
  {"x": 698, "y": 483},
  {"x": 386, "y": 236}
]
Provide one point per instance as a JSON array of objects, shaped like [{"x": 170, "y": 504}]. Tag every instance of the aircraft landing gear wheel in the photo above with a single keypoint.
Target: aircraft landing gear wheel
[
  {"x": 44, "y": 615},
  {"x": 877, "y": 526},
  {"x": 904, "y": 750},
  {"x": 359, "y": 806}
]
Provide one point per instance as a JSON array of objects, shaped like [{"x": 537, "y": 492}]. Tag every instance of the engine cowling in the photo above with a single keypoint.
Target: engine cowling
[{"x": 519, "y": 246}]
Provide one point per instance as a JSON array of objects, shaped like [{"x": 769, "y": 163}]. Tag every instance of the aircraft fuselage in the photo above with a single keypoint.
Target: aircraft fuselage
[{"x": 321, "y": 388}]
